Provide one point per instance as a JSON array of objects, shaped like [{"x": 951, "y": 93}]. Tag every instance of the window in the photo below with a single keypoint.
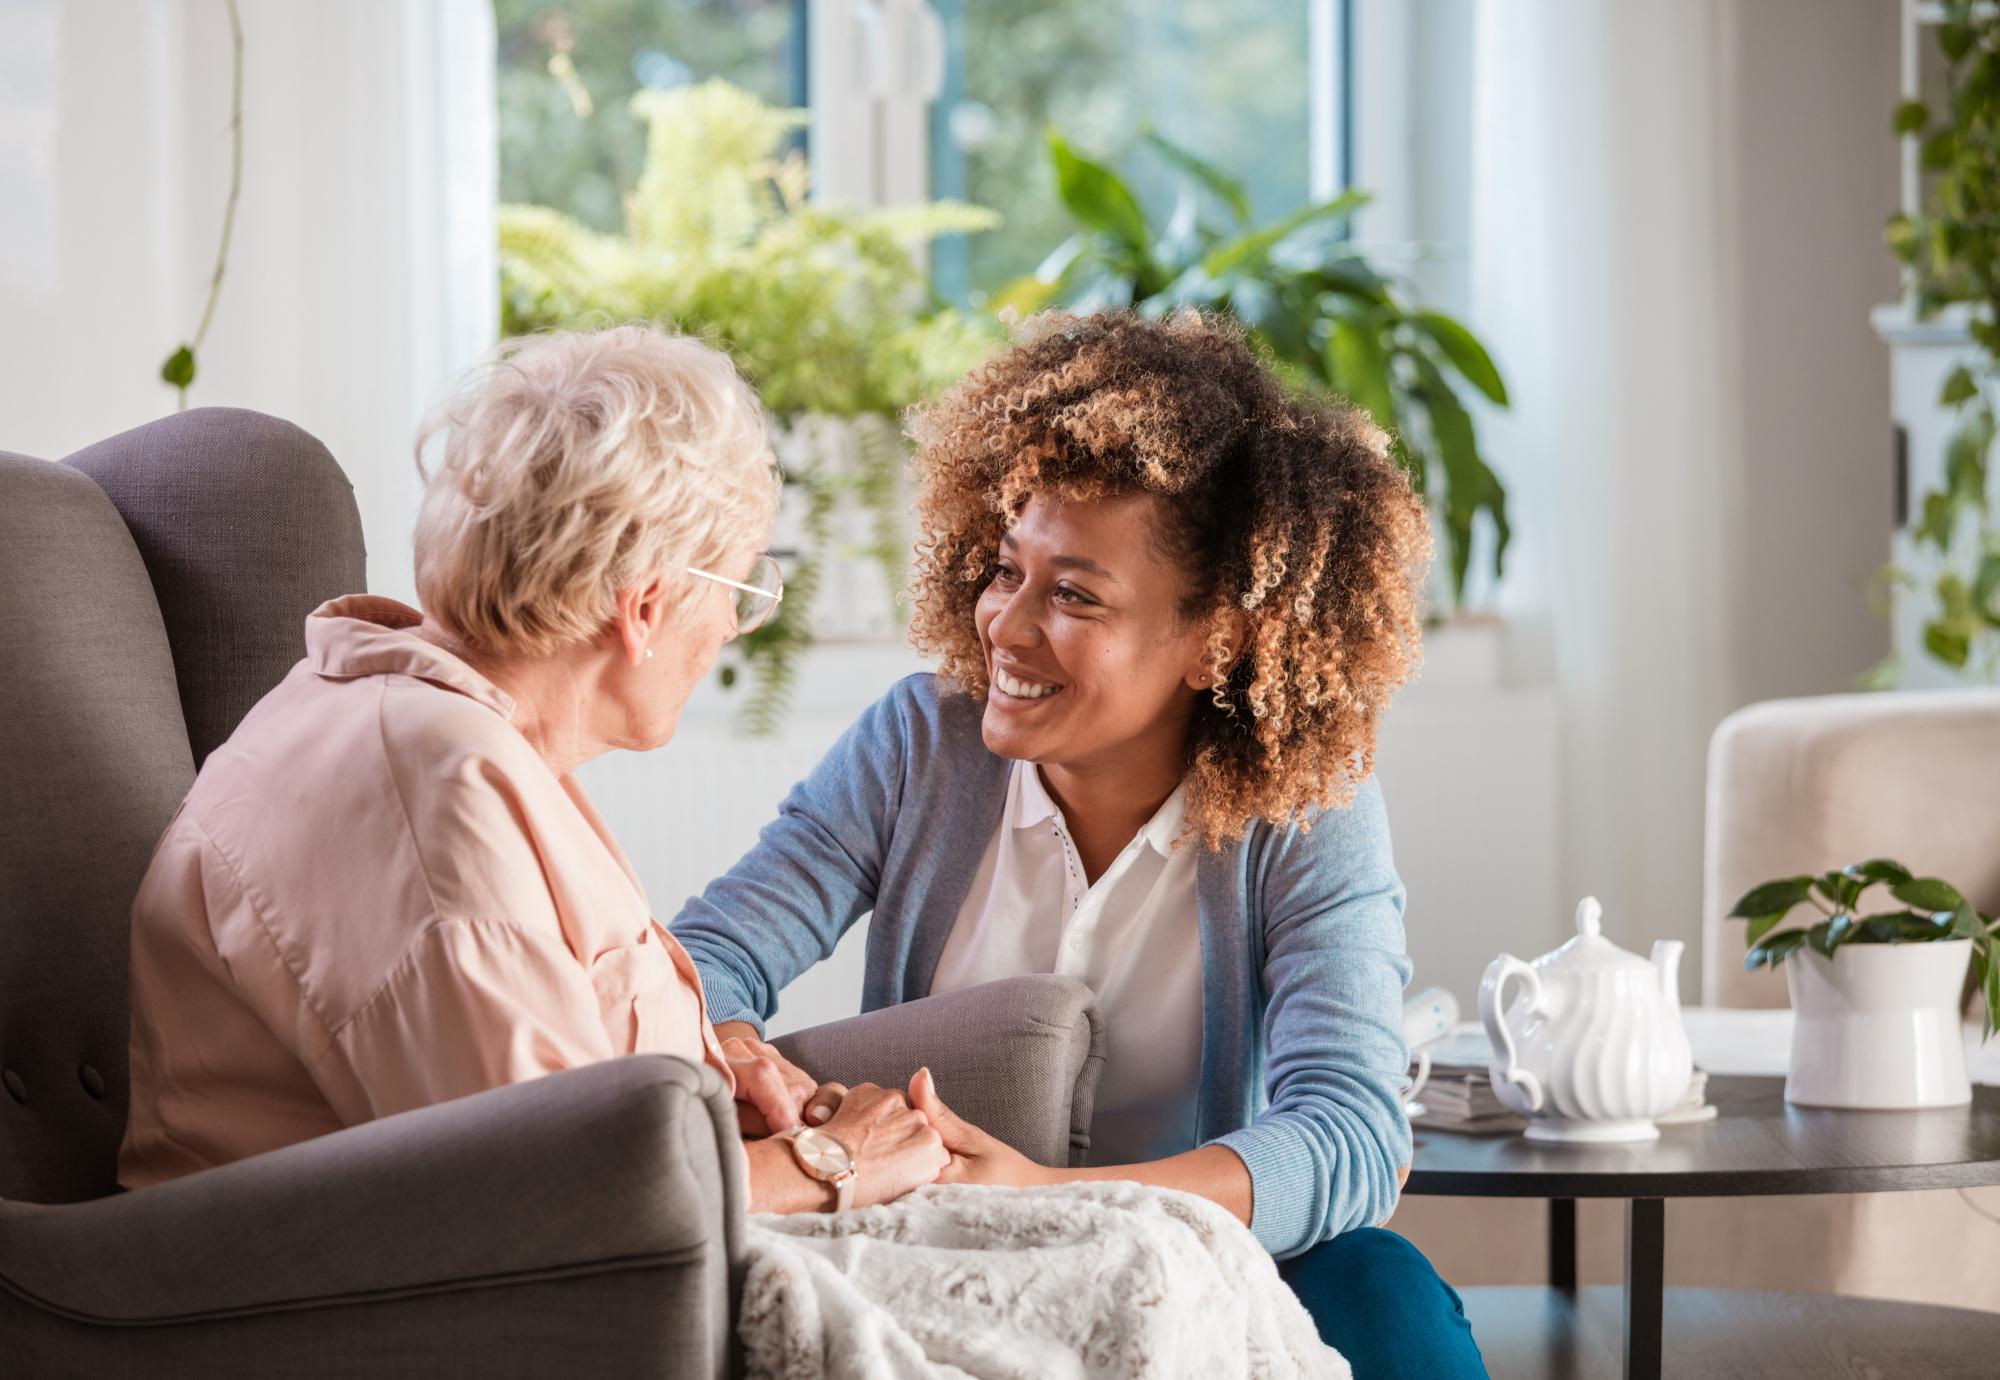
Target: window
[
  {"x": 568, "y": 70},
  {"x": 948, "y": 98},
  {"x": 1249, "y": 85}
]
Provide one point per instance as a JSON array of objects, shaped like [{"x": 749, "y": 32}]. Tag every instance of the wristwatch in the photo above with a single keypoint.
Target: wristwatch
[{"x": 823, "y": 1156}]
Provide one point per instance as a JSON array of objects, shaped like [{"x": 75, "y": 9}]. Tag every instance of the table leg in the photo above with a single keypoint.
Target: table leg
[
  {"x": 1562, "y": 1244},
  {"x": 1645, "y": 1285}
]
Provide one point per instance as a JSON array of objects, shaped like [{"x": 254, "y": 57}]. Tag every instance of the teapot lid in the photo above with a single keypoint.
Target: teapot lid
[{"x": 1590, "y": 951}]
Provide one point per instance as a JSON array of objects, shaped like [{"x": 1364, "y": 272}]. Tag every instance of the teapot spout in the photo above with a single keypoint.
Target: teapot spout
[{"x": 1667, "y": 964}]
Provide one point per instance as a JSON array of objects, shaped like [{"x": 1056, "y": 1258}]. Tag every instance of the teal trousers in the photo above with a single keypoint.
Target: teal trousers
[{"x": 1379, "y": 1303}]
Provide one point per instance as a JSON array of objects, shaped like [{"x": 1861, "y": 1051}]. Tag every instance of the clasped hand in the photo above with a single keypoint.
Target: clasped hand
[{"x": 899, "y": 1141}]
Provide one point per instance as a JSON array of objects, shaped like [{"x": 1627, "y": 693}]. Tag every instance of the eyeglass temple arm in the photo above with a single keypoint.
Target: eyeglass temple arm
[{"x": 735, "y": 584}]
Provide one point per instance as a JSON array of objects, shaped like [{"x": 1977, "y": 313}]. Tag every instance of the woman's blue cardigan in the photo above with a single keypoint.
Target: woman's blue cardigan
[{"x": 1303, "y": 960}]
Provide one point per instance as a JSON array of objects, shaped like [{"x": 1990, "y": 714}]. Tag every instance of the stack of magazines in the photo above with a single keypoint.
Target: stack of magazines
[{"x": 1459, "y": 1096}]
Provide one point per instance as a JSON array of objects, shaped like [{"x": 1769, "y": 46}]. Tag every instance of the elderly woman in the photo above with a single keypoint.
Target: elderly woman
[
  {"x": 1170, "y": 604},
  {"x": 387, "y": 890}
]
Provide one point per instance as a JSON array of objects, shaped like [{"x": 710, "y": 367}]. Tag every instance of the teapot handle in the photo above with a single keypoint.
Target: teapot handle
[{"x": 1506, "y": 1067}]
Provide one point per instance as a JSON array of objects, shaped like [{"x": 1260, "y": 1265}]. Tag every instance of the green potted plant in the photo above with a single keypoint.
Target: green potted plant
[
  {"x": 825, "y": 309},
  {"x": 1876, "y": 997},
  {"x": 1951, "y": 247},
  {"x": 1330, "y": 320}
]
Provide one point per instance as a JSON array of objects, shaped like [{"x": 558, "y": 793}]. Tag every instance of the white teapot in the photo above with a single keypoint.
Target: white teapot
[{"x": 1592, "y": 1048}]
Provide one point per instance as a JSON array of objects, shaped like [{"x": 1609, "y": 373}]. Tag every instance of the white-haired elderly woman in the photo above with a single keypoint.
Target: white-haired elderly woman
[{"x": 386, "y": 889}]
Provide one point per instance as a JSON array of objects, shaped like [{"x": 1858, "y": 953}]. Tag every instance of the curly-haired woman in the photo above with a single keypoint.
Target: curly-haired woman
[{"x": 1169, "y": 603}]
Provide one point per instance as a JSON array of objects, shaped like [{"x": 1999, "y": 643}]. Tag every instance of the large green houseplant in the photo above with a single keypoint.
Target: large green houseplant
[
  {"x": 826, "y": 310},
  {"x": 1952, "y": 249},
  {"x": 1331, "y": 321}
]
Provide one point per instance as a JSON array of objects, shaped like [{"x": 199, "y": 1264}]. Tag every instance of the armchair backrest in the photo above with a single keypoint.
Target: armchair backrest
[
  {"x": 151, "y": 590},
  {"x": 1809, "y": 785}
]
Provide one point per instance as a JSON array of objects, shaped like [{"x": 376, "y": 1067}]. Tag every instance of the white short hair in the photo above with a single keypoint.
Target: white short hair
[{"x": 577, "y": 464}]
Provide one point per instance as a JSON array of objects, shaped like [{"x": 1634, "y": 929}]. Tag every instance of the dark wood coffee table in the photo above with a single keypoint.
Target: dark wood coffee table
[{"x": 1757, "y": 1145}]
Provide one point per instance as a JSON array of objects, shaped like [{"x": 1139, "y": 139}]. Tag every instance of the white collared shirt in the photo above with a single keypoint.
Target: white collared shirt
[{"x": 1134, "y": 937}]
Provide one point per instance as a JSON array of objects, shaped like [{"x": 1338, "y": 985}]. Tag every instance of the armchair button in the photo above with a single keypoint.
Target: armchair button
[
  {"x": 15, "y": 1085},
  {"x": 93, "y": 1081}
]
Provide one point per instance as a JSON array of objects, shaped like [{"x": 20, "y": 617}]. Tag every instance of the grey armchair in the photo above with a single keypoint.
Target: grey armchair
[{"x": 152, "y": 587}]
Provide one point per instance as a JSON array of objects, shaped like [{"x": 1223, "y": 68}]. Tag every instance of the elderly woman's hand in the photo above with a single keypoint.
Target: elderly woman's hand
[
  {"x": 895, "y": 1147},
  {"x": 771, "y": 1091},
  {"x": 976, "y": 1157}
]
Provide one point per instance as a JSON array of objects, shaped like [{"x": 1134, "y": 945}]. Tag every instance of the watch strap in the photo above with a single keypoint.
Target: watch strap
[{"x": 841, "y": 1183}]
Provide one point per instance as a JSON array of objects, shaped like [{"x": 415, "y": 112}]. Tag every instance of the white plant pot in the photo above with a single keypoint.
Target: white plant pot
[{"x": 1877, "y": 1026}]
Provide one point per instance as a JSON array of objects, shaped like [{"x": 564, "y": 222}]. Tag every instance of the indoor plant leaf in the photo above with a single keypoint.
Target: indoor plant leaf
[
  {"x": 1966, "y": 924},
  {"x": 179, "y": 368},
  {"x": 1773, "y": 950},
  {"x": 1880, "y": 870},
  {"x": 1928, "y": 893},
  {"x": 1772, "y": 898},
  {"x": 1939, "y": 520},
  {"x": 1986, "y": 588},
  {"x": 1991, "y": 987},
  {"x": 1464, "y": 351},
  {"x": 1947, "y": 644},
  {"x": 1226, "y": 189},
  {"x": 1098, "y": 197},
  {"x": 1965, "y": 457},
  {"x": 1827, "y": 934},
  {"x": 1898, "y": 927},
  {"x": 1025, "y": 295},
  {"x": 1839, "y": 888},
  {"x": 1762, "y": 926},
  {"x": 1357, "y": 369},
  {"x": 1350, "y": 276},
  {"x": 1241, "y": 253},
  {"x": 1958, "y": 386},
  {"x": 1471, "y": 485}
]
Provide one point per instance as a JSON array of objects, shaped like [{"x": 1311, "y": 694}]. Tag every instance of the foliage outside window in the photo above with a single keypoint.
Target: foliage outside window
[
  {"x": 568, "y": 69},
  {"x": 1952, "y": 249},
  {"x": 1231, "y": 77},
  {"x": 824, "y": 309}
]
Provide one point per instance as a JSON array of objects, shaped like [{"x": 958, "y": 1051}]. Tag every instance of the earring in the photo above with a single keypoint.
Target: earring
[{"x": 649, "y": 653}]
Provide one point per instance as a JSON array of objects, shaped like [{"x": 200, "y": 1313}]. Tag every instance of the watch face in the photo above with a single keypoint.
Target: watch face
[{"x": 823, "y": 1156}]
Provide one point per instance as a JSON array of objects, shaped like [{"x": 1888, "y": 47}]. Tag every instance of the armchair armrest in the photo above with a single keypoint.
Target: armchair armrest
[
  {"x": 1018, "y": 1058},
  {"x": 629, "y": 1165}
]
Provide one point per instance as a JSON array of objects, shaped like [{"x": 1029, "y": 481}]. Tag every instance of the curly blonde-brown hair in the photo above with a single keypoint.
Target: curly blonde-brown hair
[{"x": 1284, "y": 508}]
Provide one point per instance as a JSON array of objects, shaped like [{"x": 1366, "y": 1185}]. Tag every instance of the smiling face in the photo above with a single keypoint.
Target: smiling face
[{"x": 1090, "y": 663}]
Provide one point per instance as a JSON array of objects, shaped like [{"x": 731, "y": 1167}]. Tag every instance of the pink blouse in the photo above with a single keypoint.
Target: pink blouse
[{"x": 377, "y": 897}]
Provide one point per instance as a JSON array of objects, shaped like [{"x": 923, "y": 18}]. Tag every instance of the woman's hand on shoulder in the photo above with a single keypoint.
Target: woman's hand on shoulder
[
  {"x": 894, "y": 1146},
  {"x": 771, "y": 1091},
  {"x": 976, "y": 1157}
]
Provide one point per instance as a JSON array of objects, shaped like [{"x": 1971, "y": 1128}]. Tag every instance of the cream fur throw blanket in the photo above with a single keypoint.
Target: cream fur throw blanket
[{"x": 1094, "y": 1279}]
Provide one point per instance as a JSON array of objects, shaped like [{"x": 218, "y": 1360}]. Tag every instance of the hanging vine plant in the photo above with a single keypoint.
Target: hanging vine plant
[
  {"x": 179, "y": 369},
  {"x": 1952, "y": 249}
]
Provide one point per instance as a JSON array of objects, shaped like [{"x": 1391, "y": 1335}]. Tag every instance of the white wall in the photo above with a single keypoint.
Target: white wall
[
  {"x": 1675, "y": 241},
  {"x": 1809, "y": 173},
  {"x": 366, "y": 210}
]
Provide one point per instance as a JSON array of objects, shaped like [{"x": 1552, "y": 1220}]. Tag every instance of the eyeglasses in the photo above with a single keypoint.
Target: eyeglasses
[{"x": 758, "y": 597}]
